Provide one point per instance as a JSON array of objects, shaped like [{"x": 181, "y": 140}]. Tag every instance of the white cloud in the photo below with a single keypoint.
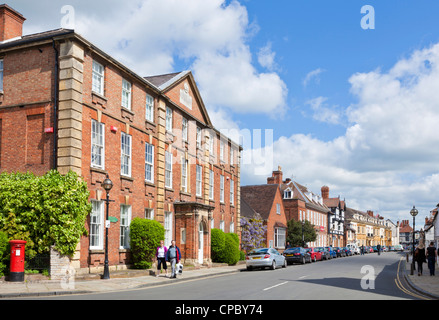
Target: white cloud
[
  {"x": 314, "y": 74},
  {"x": 266, "y": 57},
  {"x": 322, "y": 112},
  {"x": 387, "y": 159}
]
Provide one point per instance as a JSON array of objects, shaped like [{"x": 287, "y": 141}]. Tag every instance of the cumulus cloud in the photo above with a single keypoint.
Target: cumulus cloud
[{"x": 387, "y": 159}]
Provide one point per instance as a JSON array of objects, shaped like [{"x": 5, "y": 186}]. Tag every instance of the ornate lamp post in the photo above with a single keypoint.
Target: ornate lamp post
[
  {"x": 414, "y": 213},
  {"x": 107, "y": 184}
]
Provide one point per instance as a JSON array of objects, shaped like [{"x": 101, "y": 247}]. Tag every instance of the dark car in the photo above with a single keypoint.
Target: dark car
[
  {"x": 331, "y": 252},
  {"x": 325, "y": 253},
  {"x": 347, "y": 251},
  {"x": 315, "y": 254},
  {"x": 339, "y": 252},
  {"x": 297, "y": 254}
]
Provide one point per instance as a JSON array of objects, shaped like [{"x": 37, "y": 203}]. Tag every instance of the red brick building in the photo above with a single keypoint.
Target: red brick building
[
  {"x": 67, "y": 105},
  {"x": 266, "y": 201},
  {"x": 301, "y": 204}
]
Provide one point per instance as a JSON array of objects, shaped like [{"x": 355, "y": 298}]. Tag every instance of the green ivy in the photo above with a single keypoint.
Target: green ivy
[{"x": 44, "y": 210}]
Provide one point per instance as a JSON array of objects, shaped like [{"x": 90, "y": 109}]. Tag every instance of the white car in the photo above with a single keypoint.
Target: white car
[
  {"x": 354, "y": 248},
  {"x": 398, "y": 247},
  {"x": 265, "y": 257}
]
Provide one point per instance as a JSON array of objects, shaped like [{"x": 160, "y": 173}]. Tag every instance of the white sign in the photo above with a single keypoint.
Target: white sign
[
  {"x": 17, "y": 252},
  {"x": 107, "y": 224}
]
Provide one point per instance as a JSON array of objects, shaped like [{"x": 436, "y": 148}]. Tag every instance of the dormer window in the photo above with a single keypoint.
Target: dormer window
[{"x": 288, "y": 194}]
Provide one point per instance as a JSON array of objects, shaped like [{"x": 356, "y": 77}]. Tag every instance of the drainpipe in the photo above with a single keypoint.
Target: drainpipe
[{"x": 55, "y": 108}]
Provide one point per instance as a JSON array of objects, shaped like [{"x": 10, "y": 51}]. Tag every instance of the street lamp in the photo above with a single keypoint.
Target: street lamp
[
  {"x": 414, "y": 213},
  {"x": 107, "y": 184},
  {"x": 303, "y": 235}
]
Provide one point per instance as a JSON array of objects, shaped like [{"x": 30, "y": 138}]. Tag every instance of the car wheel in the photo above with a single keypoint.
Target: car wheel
[
  {"x": 273, "y": 266},
  {"x": 303, "y": 260},
  {"x": 285, "y": 264},
  {"x": 315, "y": 259},
  {"x": 249, "y": 268}
]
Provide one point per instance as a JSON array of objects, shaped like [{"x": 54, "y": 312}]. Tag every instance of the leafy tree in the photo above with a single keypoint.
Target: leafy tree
[{"x": 294, "y": 236}]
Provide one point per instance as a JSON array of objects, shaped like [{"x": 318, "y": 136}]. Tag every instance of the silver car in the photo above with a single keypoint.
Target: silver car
[{"x": 265, "y": 257}]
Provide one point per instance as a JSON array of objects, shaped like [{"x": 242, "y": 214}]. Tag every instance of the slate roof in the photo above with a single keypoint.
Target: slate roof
[{"x": 258, "y": 198}]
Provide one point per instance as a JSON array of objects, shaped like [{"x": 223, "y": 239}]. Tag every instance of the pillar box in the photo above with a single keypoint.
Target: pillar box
[{"x": 16, "y": 272}]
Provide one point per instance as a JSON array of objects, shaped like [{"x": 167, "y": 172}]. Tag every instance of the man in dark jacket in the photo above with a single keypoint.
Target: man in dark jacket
[{"x": 173, "y": 255}]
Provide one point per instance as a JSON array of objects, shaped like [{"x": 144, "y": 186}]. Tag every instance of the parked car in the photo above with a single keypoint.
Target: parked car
[
  {"x": 265, "y": 257},
  {"x": 325, "y": 253},
  {"x": 297, "y": 254},
  {"x": 375, "y": 249},
  {"x": 370, "y": 249},
  {"x": 398, "y": 247},
  {"x": 332, "y": 253},
  {"x": 315, "y": 254},
  {"x": 347, "y": 251},
  {"x": 354, "y": 248},
  {"x": 340, "y": 253}
]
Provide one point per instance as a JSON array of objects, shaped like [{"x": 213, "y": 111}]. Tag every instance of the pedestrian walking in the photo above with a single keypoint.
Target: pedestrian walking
[
  {"x": 173, "y": 256},
  {"x": 362, "y": 250},
  {"x": 379, "y": 249},
  {"x": 420, "y": 257},
  {"x": 431, "y": 257},
  {"x": 161, "y": 258}
]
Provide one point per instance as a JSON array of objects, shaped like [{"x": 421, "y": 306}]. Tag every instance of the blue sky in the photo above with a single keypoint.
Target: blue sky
[{"x": 353, "y": 109}]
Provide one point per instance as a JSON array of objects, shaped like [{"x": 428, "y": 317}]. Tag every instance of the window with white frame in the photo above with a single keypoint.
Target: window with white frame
[
  {"x": 97, "y": 225},
  {"x": 279, "y": 238},
  {"x": 149, "y": 108},
  {"x": 125, "y": 219},
  {"x": 126, "y": 94},
  {"x": 168, "y": 119},
  {"x": 184, "y": 129},
  {"x": 97, "y": 144},
  {"x": 277, "y": 208},
  {"x": 211, "y": 184},
  {"x": 232, "y": 192},
  {"x": 168, "y": 228},
  {"x": 149, "y": 162},
  {"x": 1, "y": 75},
  {"x": 211, "y": 145},
  {"x": 97, "y": 84},
  {"x": 212, "y": 223},
  {"x": 149, "y": 214},
  {"x": 232, "y": 227},
  {"x": 168, "y": 169},
  {"x": 184, "y": 164},
  {"x": 125, "y": 158},
  {"x": 199, "y": 183},
  {"x": 221, "y": 150},
  {"x": 222, "y": 225},
  {"x": 232, "y": 160},
  {"x": 198, "y": 138},
  {"x": 221, "y": 188},
  {"x": 288, "y": 194}
]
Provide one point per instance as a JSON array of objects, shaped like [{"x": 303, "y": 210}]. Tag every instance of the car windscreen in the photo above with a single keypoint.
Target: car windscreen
[
  {"x": 292, "y": 250},
  {"x": 258, "y": 251}
]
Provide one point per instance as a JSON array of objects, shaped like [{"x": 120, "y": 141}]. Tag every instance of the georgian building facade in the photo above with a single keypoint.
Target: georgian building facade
[{"x": 67, "y": 105}]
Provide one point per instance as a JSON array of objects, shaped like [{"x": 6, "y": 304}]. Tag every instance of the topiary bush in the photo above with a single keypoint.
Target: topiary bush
[
  {"x": 145, "y": 237},
  {"x": 231, "y": 252},
  {"x": 217, "y": 243}
]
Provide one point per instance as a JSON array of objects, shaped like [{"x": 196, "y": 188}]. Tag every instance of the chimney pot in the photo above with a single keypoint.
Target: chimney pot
[
  {"x": 11, "y": 23},
  {"x": 325, "y": 192}
]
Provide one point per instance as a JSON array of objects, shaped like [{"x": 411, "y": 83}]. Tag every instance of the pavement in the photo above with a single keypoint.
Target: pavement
[{"x": 133, "y": 279}]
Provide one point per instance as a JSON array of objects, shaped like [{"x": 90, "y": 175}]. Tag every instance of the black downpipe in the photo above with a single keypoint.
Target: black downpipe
[{"x": 55, "y": 109}]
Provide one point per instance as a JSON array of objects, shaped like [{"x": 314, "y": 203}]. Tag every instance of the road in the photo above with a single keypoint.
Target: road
[{"x": 367, "y": 277}]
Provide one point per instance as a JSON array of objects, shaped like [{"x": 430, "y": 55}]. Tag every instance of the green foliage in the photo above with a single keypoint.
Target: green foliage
[
  {"x": 224, "y": 247},
  {"x": 295, "y": 233},
  {"x": 231, "y": 249},
  {"x": 4, "y": 252},
  {"x": 145, "y": 237},
  {"x": 217, "y": 243},
  {"x": 44, "y": 210}
]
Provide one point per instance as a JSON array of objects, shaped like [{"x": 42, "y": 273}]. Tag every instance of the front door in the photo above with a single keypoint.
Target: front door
[{"x": 200, "y": 243}]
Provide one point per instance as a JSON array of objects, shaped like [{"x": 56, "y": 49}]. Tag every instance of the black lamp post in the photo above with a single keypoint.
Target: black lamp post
[
  {"x": 107, "y": 185},
  {"x": 303, "y": 234},
  {"x": 414, "y": 213}
]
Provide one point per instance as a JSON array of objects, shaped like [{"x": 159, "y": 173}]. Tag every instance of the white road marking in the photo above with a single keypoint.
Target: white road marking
[{"x": 277, "y": 285}]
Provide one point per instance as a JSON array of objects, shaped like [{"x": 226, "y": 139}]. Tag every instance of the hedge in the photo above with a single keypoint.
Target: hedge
[{"x": 224, "y": 247}]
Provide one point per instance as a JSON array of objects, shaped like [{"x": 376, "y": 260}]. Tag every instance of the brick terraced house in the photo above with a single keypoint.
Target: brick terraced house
[{"x": 67, "y": 105}]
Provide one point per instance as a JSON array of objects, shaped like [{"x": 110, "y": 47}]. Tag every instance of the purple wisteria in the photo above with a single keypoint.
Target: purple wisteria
[{"x": 252, "y": 234}]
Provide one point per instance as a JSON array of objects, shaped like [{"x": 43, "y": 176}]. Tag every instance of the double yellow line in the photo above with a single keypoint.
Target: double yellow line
[{"x": 402, "y": 288}]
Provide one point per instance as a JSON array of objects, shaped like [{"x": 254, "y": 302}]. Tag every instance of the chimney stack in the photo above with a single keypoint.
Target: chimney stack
[
  {"x": 11, "y": 23},
  {"x": 325, "y": 192},
  {"x": 276, "y": 177}
]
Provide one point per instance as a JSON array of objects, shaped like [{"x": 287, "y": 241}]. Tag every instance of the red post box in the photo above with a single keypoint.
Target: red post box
[{"x": 16, "y": 272}]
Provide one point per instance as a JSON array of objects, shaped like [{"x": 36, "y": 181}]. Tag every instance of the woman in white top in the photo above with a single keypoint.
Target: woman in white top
[{"x": 161, "y": 258}]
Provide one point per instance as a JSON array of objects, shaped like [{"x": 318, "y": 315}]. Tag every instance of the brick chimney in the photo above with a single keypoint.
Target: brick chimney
[
  {"x": 11, "y": 23},
  {"x": 370, "y": 213},
  {"x": 276, "y": 177},
  {"x": 325, "y": 192}
]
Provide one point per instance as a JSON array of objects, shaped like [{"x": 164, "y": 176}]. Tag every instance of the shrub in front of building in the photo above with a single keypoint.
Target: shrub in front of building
[{"x": 145, "y": 236}]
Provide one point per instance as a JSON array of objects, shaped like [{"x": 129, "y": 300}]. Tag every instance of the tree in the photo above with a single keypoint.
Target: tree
[
  {"x": 295, "y": 233},
  {"x": 252, "y": 233}
]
